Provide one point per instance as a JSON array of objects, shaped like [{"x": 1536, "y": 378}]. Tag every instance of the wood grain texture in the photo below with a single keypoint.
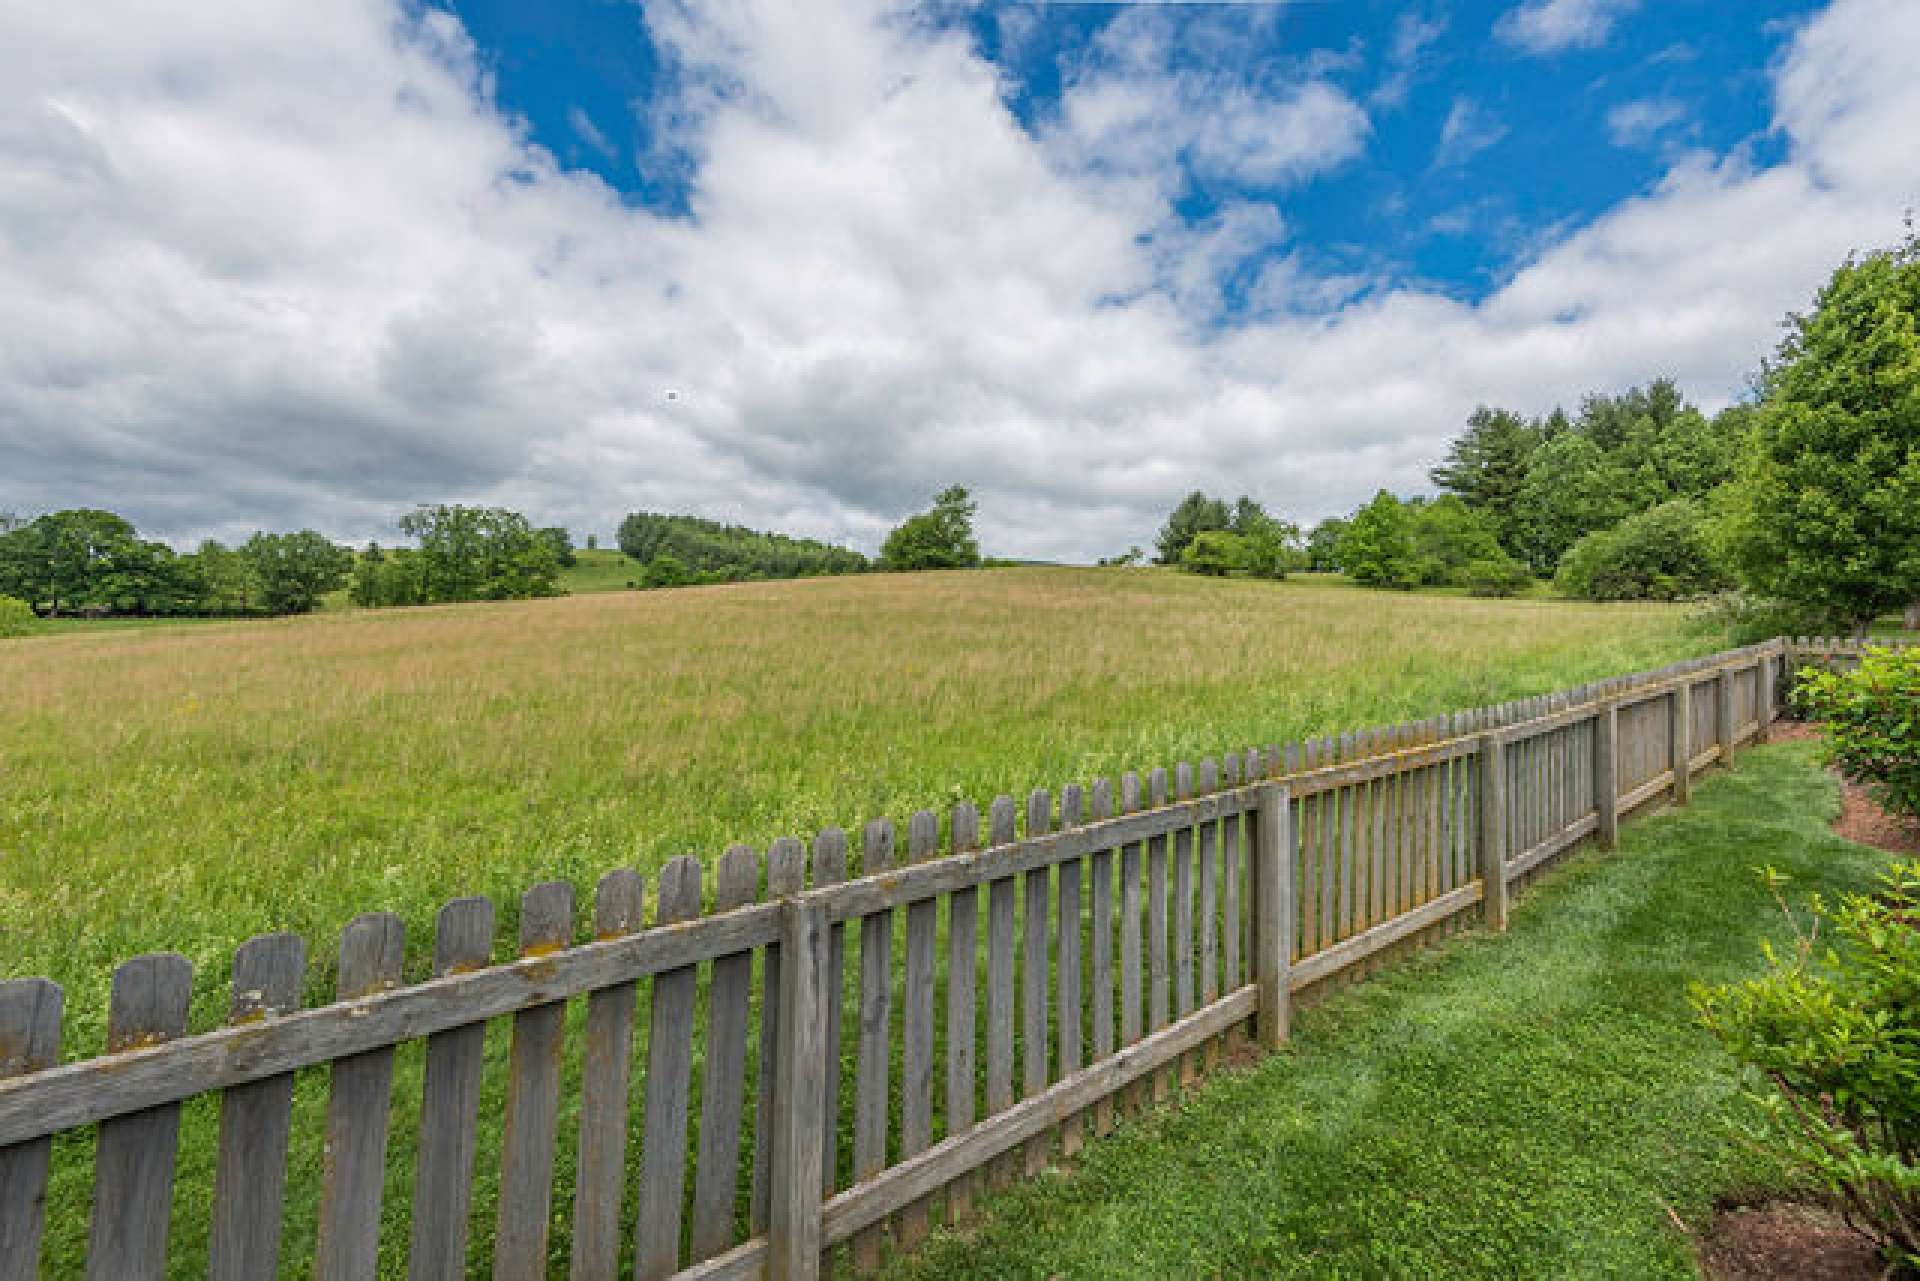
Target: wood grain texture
[
  {"x": 1100, "y": 936},
  {"x": 663, "y": 1143},
  {"x": 532, "y": 1123},
  {"x": 1000, "y": 977},
  {"x": 916, "y": 1023},
  {"x": 1132, "y": 991},
  {"x": 874, "y": 1068},
  {"x": 30, "y": 1013},
  {"x": 1068, "y": 1008},
  {"x": 1159, "y": 1003},
  {"x": 1273, "y": 913},
  {"x": 449, "y": 1106},
  {"x": 619, "y": 908},
  {"x": 372, "y": 951},
  {"x": 829, "y": 869},
  {"x": 963, "y": 929},
  {"x": 799, "y": 1114},
  {"x": 786, "y": 877},
  {"x": 255, "y": 1120},
  {"x": 1035, "y": 891},
  {"x": 134, "y": 1155},
  {"x": 716, "y": 1169}
]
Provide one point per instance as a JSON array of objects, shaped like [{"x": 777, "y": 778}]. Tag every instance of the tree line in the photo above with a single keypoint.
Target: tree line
[
  {"x": 1799, "y": 506},
  {"x": 86, "y": 562}
]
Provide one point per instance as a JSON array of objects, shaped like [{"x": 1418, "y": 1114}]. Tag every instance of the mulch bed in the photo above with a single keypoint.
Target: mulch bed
[
  {"x": 1792, "y": 1240},
  {"x": 1787, "y": 1241},
  {"x": 1861, "y": 820}
]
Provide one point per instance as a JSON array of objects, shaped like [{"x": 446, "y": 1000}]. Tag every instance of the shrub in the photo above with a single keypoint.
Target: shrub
[
  {"x": 1662, "y": 553},
  {"x": 1747, "y": 619},
  {"x": 1214, "y": 552},
  {"x": 1872, "y": 717},
  {"x": 1834, "y": 1031},
  {"x": 1489, "y": 577},
  {"x": 16, "y": 617}
]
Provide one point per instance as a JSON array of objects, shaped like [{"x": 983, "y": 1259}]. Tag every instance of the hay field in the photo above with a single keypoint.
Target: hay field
[{"x": 185, "y": 788}]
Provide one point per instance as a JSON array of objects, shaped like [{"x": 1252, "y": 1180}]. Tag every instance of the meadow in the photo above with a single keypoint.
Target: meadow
[{"x": 186, "y": 788}]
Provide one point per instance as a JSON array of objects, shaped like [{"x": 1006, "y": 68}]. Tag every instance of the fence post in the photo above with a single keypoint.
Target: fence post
[
  {"x": 1273, "y": 912},
  {"x": 1763, "y": 694},
  {"x": 1493, "y": 828},
  {"x": 1723, "y": 695},
  {"x": 1606, "y": 773},
  {"x": 1682, "y": 762},
  {"x": 799, "y": 1096}
]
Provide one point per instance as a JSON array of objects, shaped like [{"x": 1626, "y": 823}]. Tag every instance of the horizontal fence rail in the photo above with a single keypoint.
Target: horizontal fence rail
[{"x": 789, "y": 1058}]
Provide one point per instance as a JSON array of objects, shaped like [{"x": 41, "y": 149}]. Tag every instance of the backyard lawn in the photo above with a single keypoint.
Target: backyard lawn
[{"x": 1535, "y": 1105}]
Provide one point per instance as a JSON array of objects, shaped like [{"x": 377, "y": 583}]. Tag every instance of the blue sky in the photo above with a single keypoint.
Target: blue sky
[
  {"x": 803, "y": 263},
  {"x": 1542, "y": 140}
]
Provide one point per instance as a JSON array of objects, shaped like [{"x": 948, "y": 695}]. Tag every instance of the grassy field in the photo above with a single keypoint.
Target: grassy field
[
  {"x": 1535, "y": 1105},
  {"x": 601, "y": 570},
  {"x": 186, "y": 788}
]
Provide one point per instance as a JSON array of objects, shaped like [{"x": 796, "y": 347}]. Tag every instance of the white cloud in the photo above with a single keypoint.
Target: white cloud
[
  {"x": 582, "y": 125},
  {"x": 266, "y": 263},
  {"x": 1412, "y": 35},
  {"x": 1634, "y": 124},
  {"x": 1549, "y": 26},
  {"x": 1469, "y": 130}
]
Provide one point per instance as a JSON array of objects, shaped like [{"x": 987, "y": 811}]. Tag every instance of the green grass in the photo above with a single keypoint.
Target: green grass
[
  {"x": 1532, "y": 1105},
  {"x": 185, "y": 788},
  {"x": 601, "y": 570}
]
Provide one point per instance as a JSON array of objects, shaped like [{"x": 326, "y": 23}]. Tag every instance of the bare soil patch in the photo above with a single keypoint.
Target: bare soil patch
[
  {"x": 1861, "y": 818},
  {"x": 1786, "y": 1241}
]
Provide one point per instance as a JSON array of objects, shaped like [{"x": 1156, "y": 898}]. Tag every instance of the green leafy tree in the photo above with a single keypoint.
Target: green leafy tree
[
  {"x": 1826, "y": 510},
  {"x": 1323, "y": 545},
  {"x": 295, "y": 570},
  {"x": 1215, "y": 552},
  {"x": 1665, "y": 553},
  {"x": 560, "y": 542},
  {"x": 708, "y": 546},
  {"x": 1448, "y": 536},
  {"x": 1487, "y": 465},
  {"x": 228, "y": 584},
  {"x": 1573, "y": 488},
  {"x": 665, "y": 570},
  {"x": 480, "y": 553},
  {"x": 1377, "y": 548},
  {"x": 940, "y": 538},
  {"x": 1269, "y": 546},
  {"x": 1195, "y": 514}
]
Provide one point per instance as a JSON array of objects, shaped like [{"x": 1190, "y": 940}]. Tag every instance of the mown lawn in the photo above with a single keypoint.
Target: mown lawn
[{"x": 1535, "y": 1105}]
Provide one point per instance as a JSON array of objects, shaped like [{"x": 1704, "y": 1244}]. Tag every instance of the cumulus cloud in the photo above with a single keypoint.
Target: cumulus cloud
[
  {"x": 1549, "y": 26},
  {"x": 267, "y": 264}
]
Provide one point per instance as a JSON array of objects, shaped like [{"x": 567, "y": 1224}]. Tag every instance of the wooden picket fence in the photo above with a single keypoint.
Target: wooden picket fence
[{"x": 879, "y": 1071}]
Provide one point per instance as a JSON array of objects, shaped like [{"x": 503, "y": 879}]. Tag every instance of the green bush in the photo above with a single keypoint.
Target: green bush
[
  {"x": 1503, "y": 577},
  {"x": 1214, "y": 552},
  {"x": 1833, "y": 1029},
  {"x": 1663, "y": 553},
  {"x": 16, "y": 617},
  {"x": 1872, "y": 718}
]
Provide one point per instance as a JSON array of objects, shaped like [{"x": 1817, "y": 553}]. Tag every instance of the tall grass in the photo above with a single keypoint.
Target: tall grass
[{"x": 186, "y": 788}]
